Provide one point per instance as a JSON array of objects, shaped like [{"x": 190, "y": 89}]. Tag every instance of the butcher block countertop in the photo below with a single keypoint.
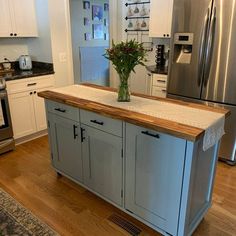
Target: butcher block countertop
[{"x": 177, "y": 129}]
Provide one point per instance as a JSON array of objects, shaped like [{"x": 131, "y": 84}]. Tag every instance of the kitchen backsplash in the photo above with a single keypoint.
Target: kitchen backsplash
[{"x": 12, "y": 49}]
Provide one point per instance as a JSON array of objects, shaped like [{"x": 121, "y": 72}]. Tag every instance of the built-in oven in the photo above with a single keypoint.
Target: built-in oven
[{"x": 6, "y": 133}]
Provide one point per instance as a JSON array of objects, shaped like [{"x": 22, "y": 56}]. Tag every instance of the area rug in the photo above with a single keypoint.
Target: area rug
[{"x": 17, "y": 220}]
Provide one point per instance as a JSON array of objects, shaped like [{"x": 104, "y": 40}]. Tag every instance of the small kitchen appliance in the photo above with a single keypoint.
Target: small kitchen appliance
[
  {"x": 25, "y": 62},
  {"x": 160, "y": 60}
]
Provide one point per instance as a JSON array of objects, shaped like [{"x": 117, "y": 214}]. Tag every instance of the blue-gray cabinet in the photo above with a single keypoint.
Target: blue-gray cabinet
[
  {"x": 103, "y": 163},
  {"x": 162, "y": 180},
  {"x": 153, "y": 176},
  {"x": 66, "y": 146}
]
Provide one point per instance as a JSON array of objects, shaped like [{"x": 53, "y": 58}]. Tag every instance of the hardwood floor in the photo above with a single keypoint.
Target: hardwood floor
[{"x": 27, "y": 175}]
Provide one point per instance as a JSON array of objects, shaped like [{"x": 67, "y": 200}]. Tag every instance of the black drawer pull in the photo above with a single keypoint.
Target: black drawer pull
[
  {"x": 32, "y": 84},
  {"x": 97, "y": 122},
  {"x": 163, "y": 90},
  {"x": 60, "y": 110},
  {"x": 149, "y": 134},
  {"x": 74, "y": 129},
  {"x": 161, "y": 81}
]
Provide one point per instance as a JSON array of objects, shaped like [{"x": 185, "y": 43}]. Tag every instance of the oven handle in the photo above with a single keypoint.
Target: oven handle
[{"x": 3, "y": 94}]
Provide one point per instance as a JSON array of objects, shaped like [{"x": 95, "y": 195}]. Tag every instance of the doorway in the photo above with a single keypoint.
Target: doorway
[{"x": 90, "y": 38}]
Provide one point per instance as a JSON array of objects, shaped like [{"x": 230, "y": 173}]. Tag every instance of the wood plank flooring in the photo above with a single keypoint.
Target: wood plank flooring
[{"x": 27, "y": 175}]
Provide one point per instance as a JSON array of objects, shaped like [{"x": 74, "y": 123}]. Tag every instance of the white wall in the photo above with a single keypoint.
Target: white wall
[
  {"x": 40, "y": 48},
  {"x": 61, "y": 41},
  {"x": 12, "y": 48}
]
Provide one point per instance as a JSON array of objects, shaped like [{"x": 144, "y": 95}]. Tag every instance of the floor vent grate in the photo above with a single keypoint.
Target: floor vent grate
[{"x": 124, "y": 224}]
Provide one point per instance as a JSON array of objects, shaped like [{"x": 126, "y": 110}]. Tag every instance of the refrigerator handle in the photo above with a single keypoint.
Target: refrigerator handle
[
  {"x": 210, "y": 47},
  {"x": 202, "y": 47}
]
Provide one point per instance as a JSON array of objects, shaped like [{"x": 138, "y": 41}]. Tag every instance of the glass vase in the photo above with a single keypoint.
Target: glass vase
[{"x": 124, "y": 90}]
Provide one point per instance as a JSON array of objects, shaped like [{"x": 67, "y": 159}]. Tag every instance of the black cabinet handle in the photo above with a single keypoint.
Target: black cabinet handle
[
  {"x": 97, "y": 122},
  {"x": 149, "y": 134},
  {"x": 164, "y": 35},
  {"x": 11, "y": 34},
  {"x": 60, "y": 110},
  {"x": 161, "y": 81},
  {"x": 15, "y": 34},
  {"x": 32, "y": 84},
  {"x": 35, "y": 92},
  {"x": 74, "y": 130},
  {"x": 168, "y": 35},
  {"x": 31, "y": 93},
  {"x": 82, "y": 134}
]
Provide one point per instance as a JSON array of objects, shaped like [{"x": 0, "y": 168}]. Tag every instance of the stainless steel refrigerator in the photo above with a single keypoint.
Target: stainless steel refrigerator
[{"x": 203, "y": 59}]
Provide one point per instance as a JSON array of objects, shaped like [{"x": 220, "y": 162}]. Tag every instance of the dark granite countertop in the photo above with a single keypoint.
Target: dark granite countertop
[
  {"x": 38, "y": 69},
  {"x": 158, "y": 70}
]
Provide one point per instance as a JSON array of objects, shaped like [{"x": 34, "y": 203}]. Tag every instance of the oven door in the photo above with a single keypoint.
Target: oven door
[{"x": 5, "y": 120}]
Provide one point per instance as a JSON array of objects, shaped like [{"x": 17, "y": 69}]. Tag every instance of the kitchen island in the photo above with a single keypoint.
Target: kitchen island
[{"x": 142, "y": 160}]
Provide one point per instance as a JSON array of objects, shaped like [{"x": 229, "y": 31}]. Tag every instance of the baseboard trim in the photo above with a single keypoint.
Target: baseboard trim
[{"x": 31, "y": 137}]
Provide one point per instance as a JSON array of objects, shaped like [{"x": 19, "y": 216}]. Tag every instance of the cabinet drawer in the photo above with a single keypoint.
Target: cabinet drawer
[
  {"x": 159, "y": 80},
  {"x": 103, "y": 123},
  {"x": 159, "y": 92},
  {"x": 28, "y": 84},
  {"x": 63, "y": 110}
]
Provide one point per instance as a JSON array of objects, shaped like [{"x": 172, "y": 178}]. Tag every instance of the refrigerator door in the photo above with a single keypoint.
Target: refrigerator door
[
  {"x": 228, "y": 142},
  {"x": 220, "y": 73},
  {"x": 190, "y": 17}
]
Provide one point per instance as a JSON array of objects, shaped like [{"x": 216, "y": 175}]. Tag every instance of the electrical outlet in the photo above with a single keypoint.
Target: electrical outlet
[{"x": 62, "y": 57}]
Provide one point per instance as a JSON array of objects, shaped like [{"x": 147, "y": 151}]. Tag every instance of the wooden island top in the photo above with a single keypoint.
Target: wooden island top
[{"x": 162, "y": 125}]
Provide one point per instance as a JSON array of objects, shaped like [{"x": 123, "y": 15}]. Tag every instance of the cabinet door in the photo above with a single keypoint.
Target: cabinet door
[
  {"x": 5, "y": 19},
  {"x": 154, "y": 172},
  {"x": 22, "y": 114},
  {"x": 160, "y": 18},
  {"x": 66, "y": 146},
  {"x": 102, "y": 159},
  {"x": 24, "y": 18},
  {"x": 40, "y": 112}
]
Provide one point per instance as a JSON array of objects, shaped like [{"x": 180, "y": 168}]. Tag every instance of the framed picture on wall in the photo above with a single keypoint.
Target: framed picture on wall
[
  {"x": 87, "y": 36},
  {"x": 97, "y": 12},
  {"x": 86, "y": 5},
  {"x": 106, "y": 6},
  {"x": 98, "y": 31},
  {"x": 86, "y": 21}
]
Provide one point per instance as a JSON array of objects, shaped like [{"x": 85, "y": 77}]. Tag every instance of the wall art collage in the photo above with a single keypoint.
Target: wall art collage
[{"x": 96, "y": 20}]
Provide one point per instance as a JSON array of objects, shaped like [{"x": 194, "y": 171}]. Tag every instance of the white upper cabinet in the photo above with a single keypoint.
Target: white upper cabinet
[
  {"x": 18, "y": 18},
  {"x": 5, "y": 19},
  {"x": 160, "y": 18}
]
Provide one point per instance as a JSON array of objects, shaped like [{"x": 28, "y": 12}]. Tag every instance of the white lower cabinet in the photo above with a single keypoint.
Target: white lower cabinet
[
  {"x": 152, "y": 160},
  {"x": 26, "y": 108},
  {"x": 103, "y": 163},
  {"x": 159, "y": 85},
  {"x": 22, "y": 114}
]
